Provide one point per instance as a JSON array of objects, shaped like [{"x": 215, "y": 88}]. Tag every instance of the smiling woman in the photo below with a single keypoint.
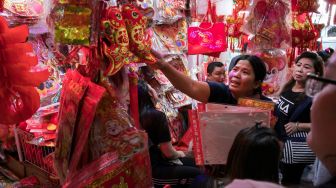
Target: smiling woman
[{"x": 244, "y": 81}]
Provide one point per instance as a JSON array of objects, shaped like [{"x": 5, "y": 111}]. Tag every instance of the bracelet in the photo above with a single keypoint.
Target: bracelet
[{"x": 297, "y": 126}]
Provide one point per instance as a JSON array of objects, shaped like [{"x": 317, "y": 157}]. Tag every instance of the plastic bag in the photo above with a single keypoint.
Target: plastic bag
[
  {"x": 268, "y": 25},
  {"x": 168, "y": 11}
]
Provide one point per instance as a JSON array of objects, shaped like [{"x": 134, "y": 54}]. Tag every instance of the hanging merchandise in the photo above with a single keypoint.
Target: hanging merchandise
[
  {"x": 23, "y": 11},
  {"x": 304, "y": 32},
  {"x": 107, "y": 171},
  {"x": 114, "y": 41},
  {"x": 140, "y": 43},
  {"x": 267, "y": 25},
  {"x": 172, "y": 38},
  {"x": 168, "y": 11},
  {"x": 73, "y": 117},
  {"x": 240, "y": 5},
  {"x": 49, "y": 90},
  {"x": 234, "y": 24},
  {"x": 276, "y": 70},
  {"x": 72, "y": 22},
  {"x": 208, "y": 38},
  {"x": 305, "y": 6},
  {"x": 331, "y": 1},
  {"x": 113, "y": 129},
  {"x": 19, "y": 99},
  {"x": 330, "y": 4}
]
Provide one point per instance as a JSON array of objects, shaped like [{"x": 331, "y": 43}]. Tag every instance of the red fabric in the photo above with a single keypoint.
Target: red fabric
[{"x": 19, "y": 99}]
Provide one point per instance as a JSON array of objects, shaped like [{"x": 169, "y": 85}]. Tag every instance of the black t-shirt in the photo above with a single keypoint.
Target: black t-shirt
[
  {"x": 220, "y": 93},
  {"x": 286, "y": 106},
  {"x": 155, "y": 124}
]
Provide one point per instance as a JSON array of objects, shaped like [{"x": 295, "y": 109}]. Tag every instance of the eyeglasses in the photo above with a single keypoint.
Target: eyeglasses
[{"x": 316, "y": 83}]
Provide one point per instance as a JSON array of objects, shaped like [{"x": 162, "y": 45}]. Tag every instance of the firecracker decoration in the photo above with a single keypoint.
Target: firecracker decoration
[{"x": 19, "y": 99}]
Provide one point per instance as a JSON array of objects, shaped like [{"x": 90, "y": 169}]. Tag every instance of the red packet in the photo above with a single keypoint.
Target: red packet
[
  {"x": 74, "y": 87},
  {"x": 88, "y": 110},
  {"x": 260, "y": 104},
  {"x": 107, "y": 172},
  {"x": 264, "y": 105},
  {"x": 197, "y": 142}
]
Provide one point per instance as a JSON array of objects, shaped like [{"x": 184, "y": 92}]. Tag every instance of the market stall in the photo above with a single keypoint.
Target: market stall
[{"x": 69, "y": 74}]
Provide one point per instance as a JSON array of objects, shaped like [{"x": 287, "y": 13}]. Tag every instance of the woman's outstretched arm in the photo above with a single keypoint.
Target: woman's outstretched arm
[{"x": 195, "y": 89}]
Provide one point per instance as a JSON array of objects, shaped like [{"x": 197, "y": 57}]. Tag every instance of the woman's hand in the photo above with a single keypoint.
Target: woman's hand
[
  {"x": 181, "y": 154},
  {"x": 291, "y": 128},
  {"x": 162, "y": 60}
]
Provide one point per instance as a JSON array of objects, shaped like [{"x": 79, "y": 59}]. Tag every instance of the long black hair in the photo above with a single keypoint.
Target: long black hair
[
  {"x": 317, "y": 64},
  {"x": 144, "y": 99},
  {"x": 149, "y": 116},
  {"x": 255, "y": 154}
]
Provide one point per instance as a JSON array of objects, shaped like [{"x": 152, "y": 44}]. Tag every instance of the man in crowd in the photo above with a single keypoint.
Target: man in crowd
[{"x": 216, "y": 72}]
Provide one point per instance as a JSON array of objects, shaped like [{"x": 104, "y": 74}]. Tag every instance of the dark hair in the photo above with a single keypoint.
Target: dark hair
[
  {"x": 325, "y": 54},
  {"x": 317, "y": 64},
  {"x": 255, "y": 154},
  {"x": 211, "y": 67},
  {"x": 149, "y": 116},
  {"x": 144, "y": 99},
  {"x": 233, "y": 62},
  {"x": 258, "y": 66}
]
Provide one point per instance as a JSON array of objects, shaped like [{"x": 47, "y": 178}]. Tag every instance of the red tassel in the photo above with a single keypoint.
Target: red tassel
[{"x": 133, "y": 91}]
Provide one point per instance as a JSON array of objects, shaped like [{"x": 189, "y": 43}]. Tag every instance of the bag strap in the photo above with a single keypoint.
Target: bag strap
[{"x": 210, "y": 13}]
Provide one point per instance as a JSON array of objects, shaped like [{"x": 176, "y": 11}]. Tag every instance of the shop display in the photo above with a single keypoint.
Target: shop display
[{"x": 69, "y": 74}]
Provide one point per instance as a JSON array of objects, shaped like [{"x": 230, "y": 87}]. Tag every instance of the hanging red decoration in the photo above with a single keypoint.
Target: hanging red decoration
[
  {"x": 18, "y": 98},
  {"x": 140, "y": 42},
  {"x": 115, "y": 41},
  {"x": 333, "y": 2},
  {"x": 302, "y": 6},
  {"x": 241, "y": 4},
  {"x": 234, "y": 25},
  {"x": 304, "y": 33}
]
